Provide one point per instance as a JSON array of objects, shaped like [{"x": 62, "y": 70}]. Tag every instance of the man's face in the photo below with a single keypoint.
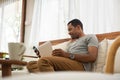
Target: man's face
[{"x": 73, "y": 31}]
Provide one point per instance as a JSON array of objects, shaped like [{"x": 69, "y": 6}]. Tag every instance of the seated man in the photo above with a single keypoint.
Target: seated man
[{"x": 81, "y": 52}]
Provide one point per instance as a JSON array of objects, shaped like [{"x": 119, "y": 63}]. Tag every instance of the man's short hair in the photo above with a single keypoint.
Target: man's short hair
[{"x": 76, "y": 22}]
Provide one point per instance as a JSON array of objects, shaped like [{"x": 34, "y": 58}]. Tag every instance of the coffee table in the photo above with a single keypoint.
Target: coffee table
[{"x": 6, "y": 66}]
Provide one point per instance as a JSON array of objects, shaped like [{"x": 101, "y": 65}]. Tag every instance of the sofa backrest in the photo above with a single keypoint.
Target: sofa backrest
[{"x": 110, "y": 35}]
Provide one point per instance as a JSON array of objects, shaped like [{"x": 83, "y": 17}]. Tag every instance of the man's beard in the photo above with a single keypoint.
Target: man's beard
[{"x": 74, "y": 37}]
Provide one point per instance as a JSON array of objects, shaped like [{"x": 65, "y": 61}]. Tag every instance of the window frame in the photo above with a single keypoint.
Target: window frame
[{"x": 22, "y": 30}]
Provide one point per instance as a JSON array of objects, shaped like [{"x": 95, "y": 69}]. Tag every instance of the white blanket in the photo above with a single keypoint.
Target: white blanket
[{"x": 65, "y": 76}]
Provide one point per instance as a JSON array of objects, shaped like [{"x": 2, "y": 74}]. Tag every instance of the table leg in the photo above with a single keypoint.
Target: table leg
[{"x": 6, "y": 70}]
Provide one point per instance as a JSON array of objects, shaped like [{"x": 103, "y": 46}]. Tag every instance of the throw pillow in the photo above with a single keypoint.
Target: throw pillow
[
  {"x": 117, "y": 63},
  {"x": 100, "y": 61},
  {"x": 61, "y": 46}
]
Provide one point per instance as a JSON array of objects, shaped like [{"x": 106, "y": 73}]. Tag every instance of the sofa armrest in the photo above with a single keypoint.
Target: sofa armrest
[{"x": 111, "y": 56}]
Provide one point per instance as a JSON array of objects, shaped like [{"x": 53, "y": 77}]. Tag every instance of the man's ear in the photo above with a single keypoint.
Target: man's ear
[{"x": 78, "y": 27}]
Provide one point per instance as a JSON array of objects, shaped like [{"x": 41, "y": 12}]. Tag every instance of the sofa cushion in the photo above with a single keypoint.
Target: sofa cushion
[
  {"x": 61, "y": 46},
  {"x": 100, "y": 61},
  {"x": 117, "y": 63}
]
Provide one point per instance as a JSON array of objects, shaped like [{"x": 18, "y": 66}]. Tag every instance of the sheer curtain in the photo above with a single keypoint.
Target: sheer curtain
[
  {"x": 10, "y": 21},
  {"x": 98, "y": 16},
  {"x": 50, "y": 17},
  {"x": 49, "y": 20}
]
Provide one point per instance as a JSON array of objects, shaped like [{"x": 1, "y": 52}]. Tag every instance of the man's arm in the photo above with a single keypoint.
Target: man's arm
[
  {"x": 88, "y": 57},
  {"x": 82, "y": 57}
]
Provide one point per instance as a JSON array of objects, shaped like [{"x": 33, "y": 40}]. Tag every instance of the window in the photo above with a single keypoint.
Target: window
[{"x": 10, "y": 22}]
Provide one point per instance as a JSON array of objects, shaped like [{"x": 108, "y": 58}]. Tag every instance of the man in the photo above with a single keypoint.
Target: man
[{"x": 81, "y": 52}]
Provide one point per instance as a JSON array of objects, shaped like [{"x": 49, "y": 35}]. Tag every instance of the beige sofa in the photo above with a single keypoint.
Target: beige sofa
[{"x": 108, "y": 55}]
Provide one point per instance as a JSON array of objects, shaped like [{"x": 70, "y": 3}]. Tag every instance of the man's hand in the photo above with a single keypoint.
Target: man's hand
[
  {"x": 32, "y": 67},
  {"x": 60, "y": 52}
]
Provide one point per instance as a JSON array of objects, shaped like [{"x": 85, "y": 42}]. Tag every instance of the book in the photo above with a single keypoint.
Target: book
[{"x": 45, "y": 49}]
